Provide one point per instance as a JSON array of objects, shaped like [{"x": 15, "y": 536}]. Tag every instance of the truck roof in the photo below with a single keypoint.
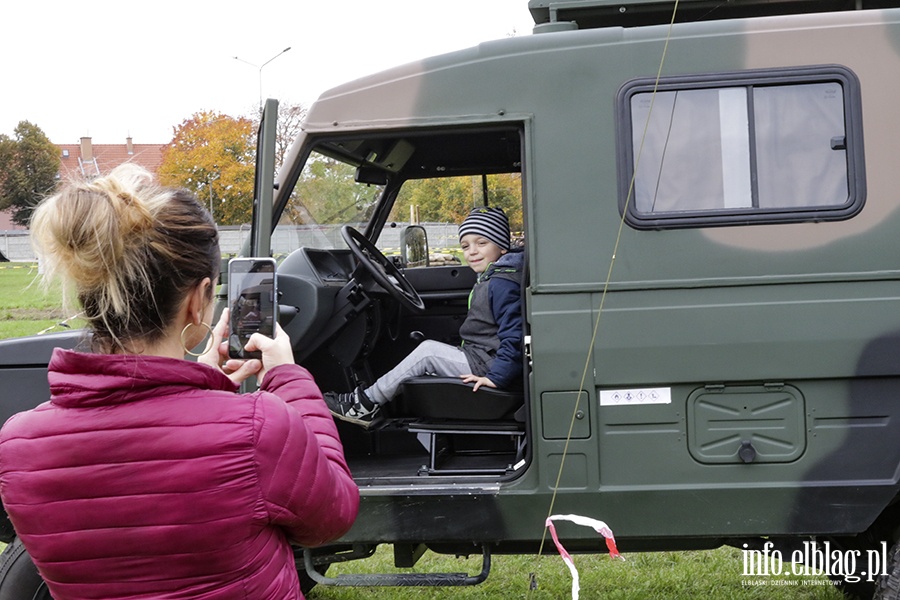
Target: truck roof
[
  {"x": 590, "y": 14},
  {"x": 342, "y": 106}
]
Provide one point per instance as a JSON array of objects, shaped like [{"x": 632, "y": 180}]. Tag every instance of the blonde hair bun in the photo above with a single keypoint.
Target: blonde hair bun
[
  {"x": 116, "y": 240},
  {"x": 90, "y": 234}
]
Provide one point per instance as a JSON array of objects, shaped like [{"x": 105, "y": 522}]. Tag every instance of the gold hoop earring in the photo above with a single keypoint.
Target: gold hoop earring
[{"x": 209, "y": 342}]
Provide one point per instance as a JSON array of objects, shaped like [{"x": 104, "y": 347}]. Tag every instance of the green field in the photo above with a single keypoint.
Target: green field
[
  {"x": 712, "y": 574},
  {"x": 26, "y": 310}
]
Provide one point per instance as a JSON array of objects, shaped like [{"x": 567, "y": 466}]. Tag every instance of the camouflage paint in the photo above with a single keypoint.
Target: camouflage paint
[{"x": 733, "y": 310}]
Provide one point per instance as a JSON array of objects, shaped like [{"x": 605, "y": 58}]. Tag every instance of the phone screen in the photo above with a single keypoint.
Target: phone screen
[{"x": 251, "y": 300}]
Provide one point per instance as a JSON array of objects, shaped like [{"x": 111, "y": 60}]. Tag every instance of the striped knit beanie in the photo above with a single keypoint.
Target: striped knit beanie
[{"x": 488, "y": 222}]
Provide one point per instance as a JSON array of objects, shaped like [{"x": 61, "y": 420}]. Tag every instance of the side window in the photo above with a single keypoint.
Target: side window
[
  {"x": 758, "y": 146},
  {"x": 438, "y": 205}
]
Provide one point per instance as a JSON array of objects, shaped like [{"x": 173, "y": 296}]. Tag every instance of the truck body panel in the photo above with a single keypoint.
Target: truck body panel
[{"x": 781, "y": 335}]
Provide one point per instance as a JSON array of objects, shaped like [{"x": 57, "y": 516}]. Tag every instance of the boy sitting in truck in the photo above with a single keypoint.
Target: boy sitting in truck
[{"x": 491, "y": 351}]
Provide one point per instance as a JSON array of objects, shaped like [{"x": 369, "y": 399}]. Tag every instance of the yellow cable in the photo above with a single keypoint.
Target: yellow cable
[{"x": 608, "y": 278}]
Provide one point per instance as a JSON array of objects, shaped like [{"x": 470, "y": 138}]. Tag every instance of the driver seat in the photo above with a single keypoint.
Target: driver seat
[
  {"x": 449, "y": 398},
  {"x": 457, "y": 422}
]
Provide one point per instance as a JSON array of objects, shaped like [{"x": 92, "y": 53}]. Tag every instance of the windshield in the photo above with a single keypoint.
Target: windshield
[{"x": 325, "y": 198}]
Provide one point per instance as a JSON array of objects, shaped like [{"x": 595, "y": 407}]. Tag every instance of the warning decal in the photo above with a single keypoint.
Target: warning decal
[{"x": 635, "y": 396}]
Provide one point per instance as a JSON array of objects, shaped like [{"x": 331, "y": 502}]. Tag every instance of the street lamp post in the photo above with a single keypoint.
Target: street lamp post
[
  {"x": 260, "y": 67},
  {"x": 209, "y": 182},
  {"x": 212, "y": 214}
]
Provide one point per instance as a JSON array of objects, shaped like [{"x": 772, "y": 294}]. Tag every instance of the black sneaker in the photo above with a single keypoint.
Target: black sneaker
[{"x": 354, "y": 407}]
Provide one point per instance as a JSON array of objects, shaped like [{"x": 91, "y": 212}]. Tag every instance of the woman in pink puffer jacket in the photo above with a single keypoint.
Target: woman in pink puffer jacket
[{"x": 147, "y": 475}]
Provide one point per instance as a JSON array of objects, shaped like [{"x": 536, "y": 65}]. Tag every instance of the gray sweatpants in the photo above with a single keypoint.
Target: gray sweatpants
[{"x": 429, "y": 358}]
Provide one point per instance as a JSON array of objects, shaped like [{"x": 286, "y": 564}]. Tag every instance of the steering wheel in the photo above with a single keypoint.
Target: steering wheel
[{"x": 382, "y": 269}]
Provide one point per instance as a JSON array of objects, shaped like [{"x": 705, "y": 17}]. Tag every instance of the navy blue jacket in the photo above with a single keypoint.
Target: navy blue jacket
[{"x": 493, "y": 329}]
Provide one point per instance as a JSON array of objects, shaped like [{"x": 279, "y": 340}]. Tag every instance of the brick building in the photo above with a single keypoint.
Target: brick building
[{"x": 87, "y": 159}]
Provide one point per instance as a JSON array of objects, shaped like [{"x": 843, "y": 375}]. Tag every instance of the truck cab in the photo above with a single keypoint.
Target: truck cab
[{"x": 708, "y": 209}]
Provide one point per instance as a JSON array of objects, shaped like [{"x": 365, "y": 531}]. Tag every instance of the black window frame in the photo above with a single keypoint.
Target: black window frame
[{"x": 853, "y": 128}]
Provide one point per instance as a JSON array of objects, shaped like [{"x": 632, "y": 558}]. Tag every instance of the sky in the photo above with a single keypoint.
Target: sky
[{"x": 109, "y": 69}]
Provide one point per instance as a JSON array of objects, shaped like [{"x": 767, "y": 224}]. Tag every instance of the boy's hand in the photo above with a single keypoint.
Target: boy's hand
[{"x": 479, "y": 381}]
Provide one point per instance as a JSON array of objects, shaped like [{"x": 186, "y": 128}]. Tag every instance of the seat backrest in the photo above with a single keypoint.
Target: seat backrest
[{"x": 452, "y": 399}]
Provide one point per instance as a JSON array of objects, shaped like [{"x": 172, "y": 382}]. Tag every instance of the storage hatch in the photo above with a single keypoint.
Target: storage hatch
[{"x": 746, "y": 424}]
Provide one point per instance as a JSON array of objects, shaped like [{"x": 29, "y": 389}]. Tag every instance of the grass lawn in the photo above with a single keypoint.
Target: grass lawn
[
  {"x": 715, "y": 574},
  {"x": 25, "y": 309},
  {"x": 665, "y": 575}
]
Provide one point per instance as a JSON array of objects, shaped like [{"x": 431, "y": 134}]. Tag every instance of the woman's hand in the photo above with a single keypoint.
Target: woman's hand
[
  {"x": 217, "y": 357},
  {"x": 275, "y": 351},
  {"x": 479, "y": 381}
]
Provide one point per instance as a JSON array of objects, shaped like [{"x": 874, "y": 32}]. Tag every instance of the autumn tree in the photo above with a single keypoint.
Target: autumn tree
[
  {"x": 213, "y": 155},
  {"x": 449, "y": 199},
  {"x": 290, "y": 122},
  {"x": 327, "y": 193},
  {"x": 29, "y": 166}
]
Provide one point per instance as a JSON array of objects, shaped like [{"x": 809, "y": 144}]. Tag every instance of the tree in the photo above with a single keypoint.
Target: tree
[
  {"x": 290, "y": 122},
  {"x": 449, "y": 200},
  {"x": 327, "y": 193},
  {"x": 29, "y": 166},
  {"x": 213, "y": 155}
]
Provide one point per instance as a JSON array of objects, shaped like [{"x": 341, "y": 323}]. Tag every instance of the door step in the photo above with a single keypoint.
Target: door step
[{"x": 399, "y": 579}]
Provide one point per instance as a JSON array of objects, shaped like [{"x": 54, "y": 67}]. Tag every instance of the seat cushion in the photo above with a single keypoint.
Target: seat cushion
[{"x": 450, "y": 398}]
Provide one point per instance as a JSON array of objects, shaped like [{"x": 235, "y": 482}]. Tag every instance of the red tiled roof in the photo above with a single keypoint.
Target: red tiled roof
[{"x": 107, "y": 157}]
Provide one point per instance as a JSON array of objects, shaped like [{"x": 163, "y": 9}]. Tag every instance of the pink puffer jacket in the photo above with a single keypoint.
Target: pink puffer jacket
[{"x": 149, "y": 477}]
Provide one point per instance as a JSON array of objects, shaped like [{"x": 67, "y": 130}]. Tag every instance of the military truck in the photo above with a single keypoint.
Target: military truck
[{"x": 710, "y": 215}]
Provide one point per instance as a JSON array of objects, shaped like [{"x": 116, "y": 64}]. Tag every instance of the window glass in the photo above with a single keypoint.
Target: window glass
[
  {"x": 325, "y": 198},
  {"x": 795, "y": 126},
  {"x": 439, "y": 205},
  {"x": 688, "y": 160},
  {"x": 763, "y": 147}
]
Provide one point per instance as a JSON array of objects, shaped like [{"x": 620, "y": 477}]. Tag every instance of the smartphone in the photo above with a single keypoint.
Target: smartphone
[{"x": 252, "y": 300}]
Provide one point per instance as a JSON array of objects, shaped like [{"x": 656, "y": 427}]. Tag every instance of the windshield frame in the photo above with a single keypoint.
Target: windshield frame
[{"x": 309, "y": 143}]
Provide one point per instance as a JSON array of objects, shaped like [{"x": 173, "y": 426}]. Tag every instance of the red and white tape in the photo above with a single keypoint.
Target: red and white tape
[{"x": 598, "y": 526}]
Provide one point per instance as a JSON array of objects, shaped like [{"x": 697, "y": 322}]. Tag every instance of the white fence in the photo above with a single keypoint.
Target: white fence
[{"x": 15, "y": 245}]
